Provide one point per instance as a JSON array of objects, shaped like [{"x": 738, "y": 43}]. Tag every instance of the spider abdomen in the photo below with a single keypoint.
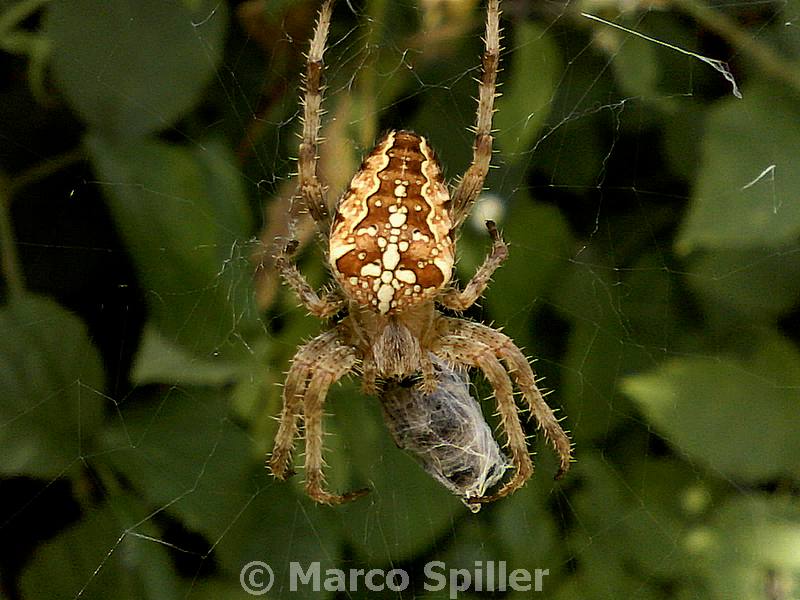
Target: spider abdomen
[{"x": 390, "y": 243}]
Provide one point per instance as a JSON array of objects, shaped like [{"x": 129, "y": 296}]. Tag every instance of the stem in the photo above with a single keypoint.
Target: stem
[
  {"x": 44, "y": 169},
  {"x": 9, "y": 261},
  {"x": 725, "y": 27},
  {"x": 367, "y": 85}
]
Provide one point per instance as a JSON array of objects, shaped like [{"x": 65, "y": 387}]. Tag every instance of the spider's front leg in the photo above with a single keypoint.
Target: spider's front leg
[
  {"x": 316, "y": 366},
  {"x": 459, "y": 300},
  {"x": 321, "y": 307},
  {"x": 309, "y": 186},
  {"x": 471, "y": 183}
]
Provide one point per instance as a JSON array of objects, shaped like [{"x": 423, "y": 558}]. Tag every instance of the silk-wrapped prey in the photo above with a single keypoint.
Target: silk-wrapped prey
[{"x": 446, "y": 432}]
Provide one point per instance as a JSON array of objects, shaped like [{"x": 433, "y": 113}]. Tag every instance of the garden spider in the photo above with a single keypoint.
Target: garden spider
[{"x": 391, "y": 244}]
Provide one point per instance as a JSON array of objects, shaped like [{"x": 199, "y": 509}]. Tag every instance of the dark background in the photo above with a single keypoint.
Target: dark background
[{"x": 146, "y": 160}]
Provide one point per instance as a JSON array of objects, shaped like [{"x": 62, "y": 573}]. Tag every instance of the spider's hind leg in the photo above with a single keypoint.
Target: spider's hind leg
[
  {"x": 317, "y": 365},
  {"x": 461, "y": 350},
  {"x": 321, "y": 380},
  {"x": 483, "y": 347},
  {"x": 520, "y": 370}
]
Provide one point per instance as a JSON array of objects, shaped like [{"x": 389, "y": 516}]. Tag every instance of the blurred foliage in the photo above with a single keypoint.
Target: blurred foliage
[{"x": 653, "y": 220}]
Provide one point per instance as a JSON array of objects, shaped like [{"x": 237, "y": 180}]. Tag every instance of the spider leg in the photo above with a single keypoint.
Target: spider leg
[
  {"x": 338, "y": 362},
  {"x": 309, "y": 187},
  {"x": 321, "y": 307},
  {"x": 369, "y": 377},
  {"x": 430, "y": 380},
  {"x": 459, "y": 300},
  {"x": 294, "y": 390},
  {"x": 316, "y": 366},
  {"x": 471, "y": 183},
  {"x": 459, "y": 350},
  {"x": 522, "y": 374}
]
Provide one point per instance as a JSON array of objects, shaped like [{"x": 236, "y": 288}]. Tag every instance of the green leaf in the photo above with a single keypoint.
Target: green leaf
[
  {"x": 280, "y": 526},
  {"x": 751, "y": 284},
  {"x": 182, "y": 214},
  {"x": 571, "y": 154},
  {"x": 573, "y": 148},
  {"x": 474, "y": 542},
  {"x": 752, "y": 545},
  {"x": 160, "y": 361},
  {"x": 132, "y": 68},
  {"x": 635, "y": 64},
  {"x": 610, "y": 554},
  {"x": 746, "y": 190},
  {"x": 104, "y": 556},
  {"x": 739, "y": 416},
  {"x": 663, "y": 498},
  {"x": 215, "y": 588},
  {"x": 683, "y": 137},
  {"x": 616, "y": 321},
  {"x": 525, "y": 103},
  {"x": 438, "y": 116},
  {"x": 16, "y": 39},
  {"x": 525, "y": 530},
  {"x": 406, "y": 509},
  {"x": 181, "y": 451},
  {"x": 51, "y": 386},
  {"x": 539, "y": 242}
]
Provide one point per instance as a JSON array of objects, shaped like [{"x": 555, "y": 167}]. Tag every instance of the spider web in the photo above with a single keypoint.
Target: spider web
[{"x": 654, "y": 276}]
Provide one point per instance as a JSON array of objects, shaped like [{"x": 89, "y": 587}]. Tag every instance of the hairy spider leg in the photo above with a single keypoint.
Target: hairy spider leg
[
  {"x": 462, "y": 350},
  {"x": 309, "y": 187},
  {"x": 322, "y": 307},
  {"x": 338, "y": 363},
  {"x": 471, "y": 183},
  {"x": 460, "y": 300},
  {"x": 520, "y": 370},
  {"x": 294, "y": 390}
]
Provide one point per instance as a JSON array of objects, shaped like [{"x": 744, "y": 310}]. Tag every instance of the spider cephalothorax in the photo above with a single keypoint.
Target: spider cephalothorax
[{"x": 391, "y": 251}]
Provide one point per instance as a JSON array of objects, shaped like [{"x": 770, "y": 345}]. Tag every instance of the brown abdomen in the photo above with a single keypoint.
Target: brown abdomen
[{"x": 390, "y": 245}]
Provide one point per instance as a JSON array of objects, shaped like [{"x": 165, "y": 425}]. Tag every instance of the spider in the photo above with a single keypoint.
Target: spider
[{"x": 391, "y": 250}]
